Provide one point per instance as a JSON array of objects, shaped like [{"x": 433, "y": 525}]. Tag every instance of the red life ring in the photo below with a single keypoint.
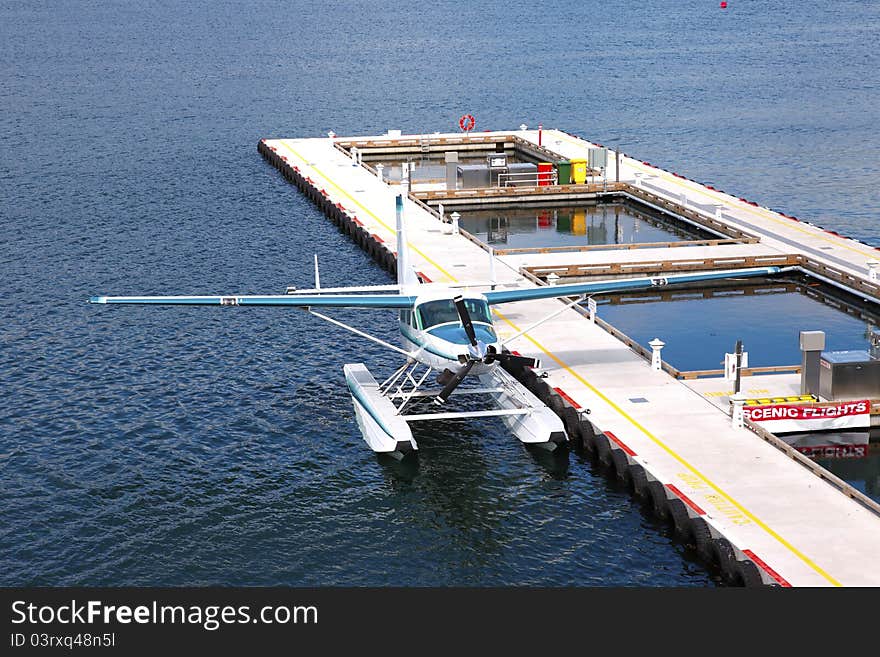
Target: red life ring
[{"x": 467, "y": 122}]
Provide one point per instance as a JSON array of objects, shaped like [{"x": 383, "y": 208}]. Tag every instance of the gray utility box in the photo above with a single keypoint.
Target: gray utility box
[
  {"x": 497, "y": 163},
  {"x": 526, "y": 174},
  {"x": 597, "y": 158},
  {"x": 473, "y": 175},
  {"x": 848, "y": 375}
]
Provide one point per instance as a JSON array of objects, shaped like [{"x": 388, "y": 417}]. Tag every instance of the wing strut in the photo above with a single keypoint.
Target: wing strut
[
  {"x": 387, "y": 345},
  {"x": 580, "y": 299}
]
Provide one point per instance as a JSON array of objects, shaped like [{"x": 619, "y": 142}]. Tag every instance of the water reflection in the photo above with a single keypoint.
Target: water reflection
[
  {"x": 862, "y": 473},
  {"x": 580, "y": 225},
  {"x": 555, "y": 463}
]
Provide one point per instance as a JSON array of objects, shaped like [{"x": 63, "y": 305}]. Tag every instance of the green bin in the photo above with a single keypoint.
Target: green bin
[{"x": 563, "y": 172}]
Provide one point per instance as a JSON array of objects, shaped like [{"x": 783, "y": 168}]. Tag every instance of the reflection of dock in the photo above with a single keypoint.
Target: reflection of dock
[{"x": 742, "y": 500}]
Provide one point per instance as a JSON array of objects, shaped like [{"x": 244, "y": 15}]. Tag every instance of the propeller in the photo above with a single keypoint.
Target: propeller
[
  {"x": 465, "y": 318},
  {"x": 457, "y": 378},
  {"x": 480, "y": 353}
]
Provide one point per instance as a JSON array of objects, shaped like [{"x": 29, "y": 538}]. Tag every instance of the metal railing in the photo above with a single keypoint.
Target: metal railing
[{"x": 527, "y": 179}]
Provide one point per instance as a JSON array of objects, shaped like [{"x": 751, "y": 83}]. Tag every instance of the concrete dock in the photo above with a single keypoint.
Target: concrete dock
[{"x": 745, "y": 502}]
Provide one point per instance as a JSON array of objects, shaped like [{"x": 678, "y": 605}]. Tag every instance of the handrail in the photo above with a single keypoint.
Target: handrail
[{"x": 507, "y": 179}]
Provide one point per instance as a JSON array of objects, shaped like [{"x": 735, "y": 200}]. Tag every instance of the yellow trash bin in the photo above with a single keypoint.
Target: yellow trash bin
[{"x": 579, "y": 171}]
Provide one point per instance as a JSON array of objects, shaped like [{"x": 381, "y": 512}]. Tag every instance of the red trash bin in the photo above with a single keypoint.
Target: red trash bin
[{"x": 545, "y": 174}]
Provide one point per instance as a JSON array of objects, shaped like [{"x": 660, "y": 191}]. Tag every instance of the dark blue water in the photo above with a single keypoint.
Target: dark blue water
[
  {"x": 193, "y": 446},
  {"x": 767, "y": 317}
]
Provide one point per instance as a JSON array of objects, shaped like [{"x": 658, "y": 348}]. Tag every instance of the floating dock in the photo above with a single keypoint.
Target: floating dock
[{"x": 748, "y": 502}]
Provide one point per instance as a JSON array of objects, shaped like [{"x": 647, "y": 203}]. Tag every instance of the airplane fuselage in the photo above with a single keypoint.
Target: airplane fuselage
[{"x": 434, "y": 334}]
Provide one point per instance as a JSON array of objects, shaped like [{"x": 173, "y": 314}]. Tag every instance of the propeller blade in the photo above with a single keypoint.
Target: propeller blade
[
  {"x": 453, "y": 384},
  {"x": 465, "y": 319}
]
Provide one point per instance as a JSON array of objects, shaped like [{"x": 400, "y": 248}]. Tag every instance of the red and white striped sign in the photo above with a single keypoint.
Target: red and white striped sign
[{"x": 790, "y": 418}]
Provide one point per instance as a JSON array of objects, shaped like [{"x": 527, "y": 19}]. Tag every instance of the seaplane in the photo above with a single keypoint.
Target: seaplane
[{"x": 445, "y": 330}]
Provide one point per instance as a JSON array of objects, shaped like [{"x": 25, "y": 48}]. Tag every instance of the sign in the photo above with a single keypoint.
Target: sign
[
  {"x": 592, "y": 305},
  {"x": 792, "y": 418},
  {"x": 730, "y": 365}
]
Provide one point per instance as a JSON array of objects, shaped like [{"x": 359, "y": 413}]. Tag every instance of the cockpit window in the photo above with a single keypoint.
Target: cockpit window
[{"x": 442, "y": 311}]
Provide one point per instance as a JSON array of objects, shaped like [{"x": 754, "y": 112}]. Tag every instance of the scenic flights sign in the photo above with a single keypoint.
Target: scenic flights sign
[{"x": 795, "y": 418}]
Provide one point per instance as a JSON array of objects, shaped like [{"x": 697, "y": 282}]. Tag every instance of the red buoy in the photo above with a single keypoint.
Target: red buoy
[{"x": 723, "y": 5}]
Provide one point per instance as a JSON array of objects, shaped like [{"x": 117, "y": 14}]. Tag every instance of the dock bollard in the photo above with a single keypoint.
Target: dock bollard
[
  {"x": 874, "y": 271},
  {"x": 638, "y": 181},
  {"x": 354, "y": 156},
  {"x": 446, "y": 225},
  {"x": 737, "y": 416},
  {"x": 379, "y": 169},
  {"x": 455, "y": 217},
  {"x": 684, "y": 200},
  {"x": 656, "y": 345},
  {"x": 718, "y": 212}
]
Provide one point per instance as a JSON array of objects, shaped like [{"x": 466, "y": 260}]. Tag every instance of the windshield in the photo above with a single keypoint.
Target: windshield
[{"x": 442, "y": 311}]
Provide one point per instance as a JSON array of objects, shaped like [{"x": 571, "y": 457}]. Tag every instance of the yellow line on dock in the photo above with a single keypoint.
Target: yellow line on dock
[
  {"x": 364, "y": 208},
  {"x": 675, "y": 455}
]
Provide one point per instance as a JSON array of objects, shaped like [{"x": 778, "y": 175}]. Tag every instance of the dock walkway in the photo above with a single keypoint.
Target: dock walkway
[
  {"x": 774, "y": 512},
  {"x": 783, "y": 233}
]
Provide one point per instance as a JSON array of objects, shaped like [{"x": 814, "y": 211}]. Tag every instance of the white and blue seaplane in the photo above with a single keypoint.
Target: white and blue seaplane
[{"x": 444, "y": 329}]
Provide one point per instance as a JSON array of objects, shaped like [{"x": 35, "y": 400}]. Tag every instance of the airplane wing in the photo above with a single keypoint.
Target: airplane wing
[
  {"x": 294, "y": 300},
  {"x": 620, "y": 285}
]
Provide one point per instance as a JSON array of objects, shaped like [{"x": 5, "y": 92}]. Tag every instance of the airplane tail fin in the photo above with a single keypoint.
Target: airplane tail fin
[{"x": 406, "y": 275}]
